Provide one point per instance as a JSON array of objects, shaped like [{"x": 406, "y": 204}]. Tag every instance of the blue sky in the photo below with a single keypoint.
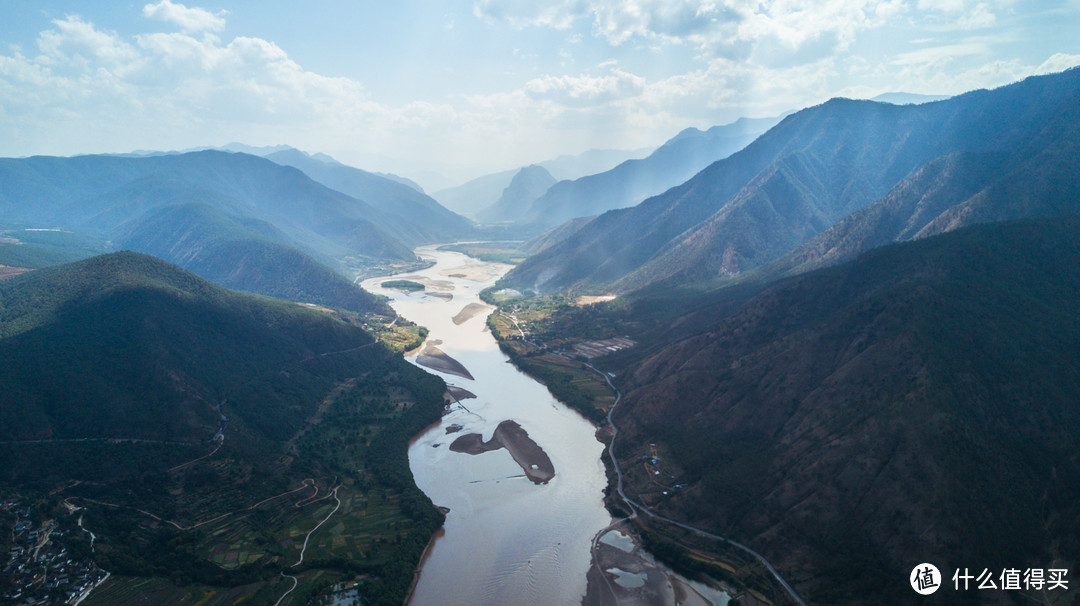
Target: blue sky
[{"x": 483, "y": 85}]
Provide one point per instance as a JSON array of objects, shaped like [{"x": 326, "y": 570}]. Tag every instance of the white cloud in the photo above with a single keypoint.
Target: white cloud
[
  {"x": 189, "y": 19},
  {"x": 586, "y": 89},
  {"x": 1058, "y": 63},
  {"x": 939, "y": 55},
  {"x": 717, "y": 28},
  {"x": 86, "y": 87},
  {"x": 77, "y": 41}
]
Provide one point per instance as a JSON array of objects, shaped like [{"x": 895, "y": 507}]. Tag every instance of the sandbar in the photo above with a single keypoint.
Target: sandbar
[
  {"x": 509, "y": 435},
  {"x": 434, "y": 358},
  {"x": 459, "y": 393},
  {"x": 468, "y": 312}
]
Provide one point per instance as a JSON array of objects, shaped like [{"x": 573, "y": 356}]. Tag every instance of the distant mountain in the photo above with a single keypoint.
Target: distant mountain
[
  {"x": 634, "y": 180},
  {"x": 242, "y": 255},
  {"x": 839, "y": 421},
  {"x": 554, "y": 235},
  {"x": 245, "y": 221},
  {"x": 527, "y": 185},
  {"x": 475, "y": 195},
  {"x": 808, "y": 173},
  {"x": 574, "y": 166},
  {"x": 434, "y": 222},
  {"x": 907, "y": 98}
]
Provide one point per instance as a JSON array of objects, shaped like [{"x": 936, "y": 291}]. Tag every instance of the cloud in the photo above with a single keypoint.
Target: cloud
[
  {"x": 585, "y": 89},
  {"x": 77, "y": 41},
  {"x": 558, "y": 14},
  {"x": 1058, "y": 63},
  {"x": 189, "y": 19},
  {"x": 797, "y": 30},
  {"x": 938, "y": 55}
]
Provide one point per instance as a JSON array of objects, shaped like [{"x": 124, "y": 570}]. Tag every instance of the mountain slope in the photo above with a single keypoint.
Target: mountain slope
[
  {"x": 139, "y": 335},
  {"x": 475, "y": 195},
  {"x": 186, "y": 421},
  {"x": 900, "y": 408},
  {"x": 527, "y": 185},
  {"x": 1036, "y": 178},
  {"x": 434, "y": 222},
  {"x": 805, "y": 174},
  {"x": 241, "y": 255},
  {"x": 634, "y": 180},
  {"x": 103, "y": 191},
  {"x": 242, "y": 221}
]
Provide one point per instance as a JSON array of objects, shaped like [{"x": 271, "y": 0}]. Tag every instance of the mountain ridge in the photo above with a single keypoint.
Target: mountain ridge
[{"x": 800, "y": 177}]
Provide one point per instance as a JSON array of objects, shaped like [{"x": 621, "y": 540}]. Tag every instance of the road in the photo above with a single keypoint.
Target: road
[
  {"x": 635, "y": 506},
  {"x": 300, "y": 561}
]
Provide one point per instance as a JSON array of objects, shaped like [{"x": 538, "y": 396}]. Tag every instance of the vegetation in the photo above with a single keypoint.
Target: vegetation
[
  {"x": 974, "y": 413},
  {"x": 121, "y": 370},
  {"x": 551, "y": 325},
  {"x": 406, "y": 285},
  {"x": 491, "y": 252},
  {"x": 36, "y": 248}
]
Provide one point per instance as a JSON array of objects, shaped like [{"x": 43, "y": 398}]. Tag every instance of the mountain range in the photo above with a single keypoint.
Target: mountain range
[
  {"x": 479, "y": 193},
  {"x": 527, "y": 185},
  {"x": 959, "y": 157},
  {"x": 243, "y": 221},
  {"x": 634, "y": 180}
]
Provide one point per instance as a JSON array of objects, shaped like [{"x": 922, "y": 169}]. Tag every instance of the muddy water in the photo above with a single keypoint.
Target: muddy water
[{"x": 508, "y": 540}]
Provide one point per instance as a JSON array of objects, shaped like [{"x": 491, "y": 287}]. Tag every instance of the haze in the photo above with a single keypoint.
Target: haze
[{"x": 456, "y": 90}]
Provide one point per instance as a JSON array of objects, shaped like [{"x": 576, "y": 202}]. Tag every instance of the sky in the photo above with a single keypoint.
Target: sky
[{"x": 466, "y": 88}]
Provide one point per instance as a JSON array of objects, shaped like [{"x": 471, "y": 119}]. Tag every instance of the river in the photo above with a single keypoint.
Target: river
[{"x": 507, "y": 539}]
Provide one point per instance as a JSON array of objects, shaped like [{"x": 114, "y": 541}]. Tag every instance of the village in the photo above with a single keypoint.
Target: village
[{"x": 40, "y": 569}]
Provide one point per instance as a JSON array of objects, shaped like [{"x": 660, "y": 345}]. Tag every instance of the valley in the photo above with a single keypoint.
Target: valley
[{"x": 778, "y": 361}]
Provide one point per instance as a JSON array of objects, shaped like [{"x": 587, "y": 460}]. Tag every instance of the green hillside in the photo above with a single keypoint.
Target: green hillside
[{"x": 192, "y": 423}]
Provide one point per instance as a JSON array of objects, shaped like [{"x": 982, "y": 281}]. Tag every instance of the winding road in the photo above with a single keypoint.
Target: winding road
[
  {"x": 303, "y": 549},
  {"x": 635, "y": 506}
]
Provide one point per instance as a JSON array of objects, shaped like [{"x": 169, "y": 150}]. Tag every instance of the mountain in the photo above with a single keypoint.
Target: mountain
[
  {"x": 436, "y": 223},
  {"x": 103, "y": 191},
  {"x": 137, "y": 334},
  {"x": 634, "y": 180},
  {"x": 246, "y": 221},
  {"x": 478, "y": 194},
  {"x": 527, "y": 185},
  {"x": 810, "y": 171},
  {"x": 841, "y": 420},
  {"x": 241, "y": 255},
  {"x": 899, "y": 98},
  {"x": 1037, "y": 177},
  {"x": 475, "y": 195},
  {"x": 590, "y": 162},
  {"x": 194, "y": 429},
  {"x": 554, "y": 235}
]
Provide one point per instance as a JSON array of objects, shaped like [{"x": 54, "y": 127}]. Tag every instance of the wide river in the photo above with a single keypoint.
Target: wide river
[{"x": 507, "y": 540}]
